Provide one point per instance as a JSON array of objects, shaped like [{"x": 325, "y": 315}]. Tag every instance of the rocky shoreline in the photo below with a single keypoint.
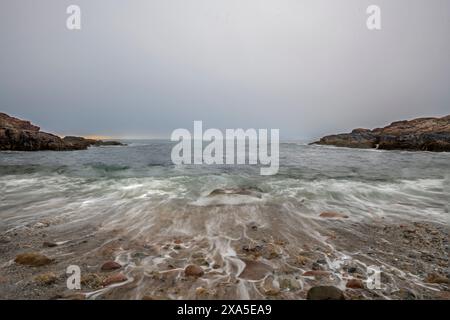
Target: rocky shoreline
[
  {"x": 21, "y": 135},
  {"x": 414, "y": 268},
  {"x": 421, "y": 134}
]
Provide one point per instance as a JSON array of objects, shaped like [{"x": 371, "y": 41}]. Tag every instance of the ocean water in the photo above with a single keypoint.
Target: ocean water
[
  {"x": 135, "y": 192},
  {"x": 325, "y": 178}
]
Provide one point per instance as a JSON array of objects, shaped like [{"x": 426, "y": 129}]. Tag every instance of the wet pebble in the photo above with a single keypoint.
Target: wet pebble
[
  {"x": 115, "y": 278},
  {"x": 5, "y": 239},
  {"x": 203, "y": 292},
  {"x": 252, "y": 226},
  {"x": 139, "y": 255},
  {"x": 254, "y": 270},
  {"x": 193, "y": 271},
  {"x": 46, "y": 278},
  {"x": 270, "y": 287},
  {"x": 437, "y": 278},
  {"x": 91, "y": 280},
  {"x": 252, "y": 249},
  {"x": 317, "y": 266},
  {"x": 325, "y": 293},
  {"x": 289, "y": 284},
  {"x": 302, "y": 260},
  {"x": 316, "y": 273},
  {"x": 70, "y": 296},
  {"x": 110, "y": 265},
  {"x": 49, "y": 244},
  {"x": 76, "y": 296},
  {"x": 33, "y": 259},
  {"x": 332, "y": 215},
  {"x": 405, "y": 294},
  {"x": 153, "y": 297},
  {"x": 351, "y": 269},
  {"x": 355, "y": 284},
  {"x": 321, "y": 261},
  {"x": 41, "y": 225}
]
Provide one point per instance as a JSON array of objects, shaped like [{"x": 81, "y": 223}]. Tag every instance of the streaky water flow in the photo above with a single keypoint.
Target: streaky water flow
[{"x": 255, "y": 236}]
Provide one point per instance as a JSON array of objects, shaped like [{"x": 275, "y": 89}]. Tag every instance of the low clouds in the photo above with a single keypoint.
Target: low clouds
[{"x": 143, "y": 68}]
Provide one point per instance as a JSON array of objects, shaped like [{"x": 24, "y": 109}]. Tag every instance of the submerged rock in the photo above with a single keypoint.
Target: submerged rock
[
  {"x": 254, "y": 270},
  {"x": 154, "y": 297},
  {"x": 355, "y": 284},
  {"x": 422, "y": 134},
  {"x": 33, "y": 259},
  {"x": 290, "y": 284},
  {"x": 49, "y": 244},
  {"x": 110, "y": 265},
  {"x": 316, "y": 273},
  {"x": 69, "y": 295},
  {"x": 325, "y": 293},
  {"x": 333, "y": 215},
  {"x": 115, "y": 278},
  {"x": 252, "y": 192},
  {"x": 46, "y": 278},
  {"x": 270, "y": 287},
  {"x": 193, "y": 270},
  {"x": 75, "y": 296},
  {"x": 302, "y": 260},
  {"x": 41, "y": 225},
  {"x": 91, "y": 280},
  {"x": 253, "y": 226},
  {"x": 438, "y": 279},
  {"x": 5, "y": 239}
]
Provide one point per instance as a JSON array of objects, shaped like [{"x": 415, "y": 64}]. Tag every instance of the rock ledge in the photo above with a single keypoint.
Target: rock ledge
[
  {"x": 21, "y": 135},
  {"x": 421, "y": 134}
]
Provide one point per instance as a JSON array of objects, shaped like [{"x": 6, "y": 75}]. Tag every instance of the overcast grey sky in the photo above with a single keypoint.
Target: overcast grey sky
[{"x": 142, "y": 68}]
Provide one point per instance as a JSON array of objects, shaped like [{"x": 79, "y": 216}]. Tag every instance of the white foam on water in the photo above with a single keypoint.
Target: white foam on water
[{"x": 226, "y": 200}]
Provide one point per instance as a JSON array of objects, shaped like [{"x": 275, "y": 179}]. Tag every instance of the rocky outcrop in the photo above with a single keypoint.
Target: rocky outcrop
[
  {"x": 24, "y": 140},
  {"x": 100, "y": 143},
  {"x": 20, "y": 135},
  {"x": 422, "y": 134},
  {"x": 78, "y": 143},
  {"x": 7, "y": 122}
]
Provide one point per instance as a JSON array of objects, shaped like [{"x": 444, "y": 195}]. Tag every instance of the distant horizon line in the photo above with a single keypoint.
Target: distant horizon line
[
  {"x": 167, "y": 137},
  {"x": 164, "y": 138}
]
